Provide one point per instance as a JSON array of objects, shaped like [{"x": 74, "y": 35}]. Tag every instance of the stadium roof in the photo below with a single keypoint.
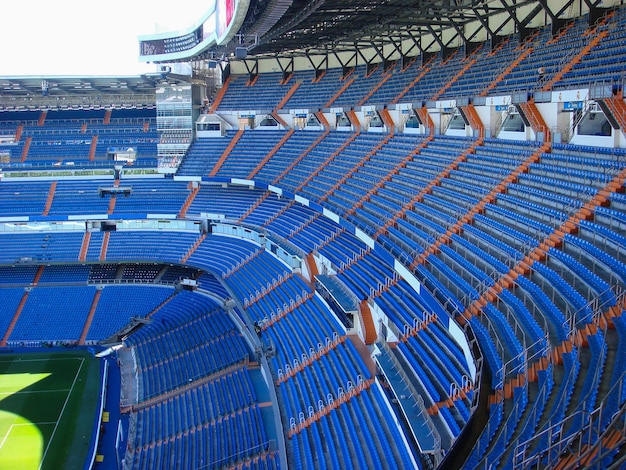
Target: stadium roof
[
  {"x": 50, "y": 92},
  {"x": 82, "y": 91},
  {"x": 311, "y": 27},
  {"x": 75, "y": 85}
]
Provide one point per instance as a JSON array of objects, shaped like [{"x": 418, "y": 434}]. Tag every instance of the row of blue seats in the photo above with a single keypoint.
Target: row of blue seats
[
  {"x": 613, "y": 265},
  {"x": 53, "y": 314},
  {"x": 571, "y": 366},
  {"x": 557, "y": 185},
  {"x": 480, "y": 279},
  {"x": 601, "y": 288},
  {"x": 490, "y": 352},
  {"x": 521, "y": 223},
  {"x": 590, "y": 389},
  {"x": 223, "y": 443},
  {"x": 562, "y": 203},
  {"x": 535, "y": 210},
  {"x": 447, "y": 275},
  {"x": 114, "y": 309},
  {"x": 572, "y": 174},
  {"x": 556, "y": 321},
  {"x": 608, "y": 237},
  {"x": 439, "y": 290},
  {"x": 206, "y": 404},
  {"x": 479, "y": 255},
  {"x": 511, "y": 345},
  {"x": 534, "y": 332},
  {"x": 545, "y": 381},
  {"x": 505, "y": 431}
]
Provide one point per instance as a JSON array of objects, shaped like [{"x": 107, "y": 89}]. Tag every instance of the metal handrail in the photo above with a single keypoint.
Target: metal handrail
[
  {"x": 592, "y": 430},
  {"x": 418, "y": 399}
]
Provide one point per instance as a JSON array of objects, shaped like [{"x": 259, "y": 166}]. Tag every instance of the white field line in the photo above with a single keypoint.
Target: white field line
[
  {"x": 21, "y": 424},
  {"x": 82, "y": 361},
  {"x": 6, "y": 436}
]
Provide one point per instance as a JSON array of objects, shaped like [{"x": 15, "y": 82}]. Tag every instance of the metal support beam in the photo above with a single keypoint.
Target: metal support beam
[
  {"x": 255, "y": 66},
  {"x": 436, "y": 37}
]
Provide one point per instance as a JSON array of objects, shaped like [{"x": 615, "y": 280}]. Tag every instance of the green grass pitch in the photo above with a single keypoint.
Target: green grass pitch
[{"x": 48, "y": 404}]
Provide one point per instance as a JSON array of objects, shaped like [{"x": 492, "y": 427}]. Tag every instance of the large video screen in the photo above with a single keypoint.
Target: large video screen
[
  {"x": 218, "y": 27},
  {"x": 225, "y": 16},
  {"x": 172, "y": 44}
]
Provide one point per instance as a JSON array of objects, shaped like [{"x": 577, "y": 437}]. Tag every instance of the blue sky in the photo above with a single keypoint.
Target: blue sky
[{"x": 78, "y": 37}]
